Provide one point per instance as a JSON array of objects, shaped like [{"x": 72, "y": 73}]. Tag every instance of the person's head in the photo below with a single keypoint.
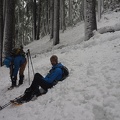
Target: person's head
[
  {"x": 54, "y": 60},
  {"x": 15, "y": 52}
]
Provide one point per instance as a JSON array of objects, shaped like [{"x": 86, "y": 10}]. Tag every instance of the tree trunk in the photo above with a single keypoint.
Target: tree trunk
[
  {"x": 4, "y": 10},
  {"x": 90, "y": 18},
  {"x": 99, "y": 10},
  {"x": 47, "y": 25},
  {"x": 82, "y": 10},
  {"x": 70, "y": 13},
  {"x": 39, "y": 19},
  {"x": 9, "y": 28},
  {"x": 102, "y": 6},
  {"x": 1, "y": 30},
  {"x": 63, "y": 15},
  {"x": 34, "y": 19},
  {"x": 18, "y": 22},
  {"x": 51, "y": 18},
  {"x": 56, "y": 22}
]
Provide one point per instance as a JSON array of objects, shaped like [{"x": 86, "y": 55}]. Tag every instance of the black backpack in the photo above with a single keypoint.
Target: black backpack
[{"x": 65, "y": 72}]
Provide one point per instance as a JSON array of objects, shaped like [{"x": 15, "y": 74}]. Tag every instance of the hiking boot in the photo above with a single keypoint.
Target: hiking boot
[
  {"x": 21, "y": 80},
  {"x": 28, "y": 95},
  {"x": 14, "y": 79},
  {"x": 19, "y": 101},
  {"x": 26, "y": 98},
  {"x": 11, "y": 87},
  {"x": 19, "y": 84}
]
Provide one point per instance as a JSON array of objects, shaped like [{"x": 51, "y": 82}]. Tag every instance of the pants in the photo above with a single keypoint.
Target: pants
[
  {"x": 39, "y": 81},
  {"x": 34, "y": 88},
  {"x": 22, "y": 68}
]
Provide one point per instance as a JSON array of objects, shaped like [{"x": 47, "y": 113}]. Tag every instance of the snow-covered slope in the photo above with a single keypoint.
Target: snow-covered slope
[{"x": 91, "y": 92}]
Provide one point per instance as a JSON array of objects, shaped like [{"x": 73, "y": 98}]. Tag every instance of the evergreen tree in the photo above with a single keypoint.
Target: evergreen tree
[
  {"x": 56, "y": 22},
  {"x": 90, "y": 18},
  {"x": 51, "y": 18},
  {"x": 9, "y": 28}
]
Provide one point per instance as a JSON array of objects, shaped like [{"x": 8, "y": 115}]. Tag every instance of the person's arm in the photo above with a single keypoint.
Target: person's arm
[
  {"x": 11, "y": 70},
  {"x": 53, "y": 75}
]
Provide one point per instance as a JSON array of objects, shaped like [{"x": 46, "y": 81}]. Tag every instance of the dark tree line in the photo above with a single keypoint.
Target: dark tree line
[{"x": 23, "y": 21}]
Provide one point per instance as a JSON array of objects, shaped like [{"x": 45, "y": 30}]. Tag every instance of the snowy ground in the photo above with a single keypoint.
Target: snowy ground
[{"x": 91, "y": 92}]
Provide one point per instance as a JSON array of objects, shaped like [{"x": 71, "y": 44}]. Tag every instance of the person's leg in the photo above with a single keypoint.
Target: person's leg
[
  {"x": 39, "y": 81},
  {"x": 33, "y": 89},
  {"x": 36, "y": 81},
  {"x": 13, "y": 78},
  {"x": 21, "y": 73}
]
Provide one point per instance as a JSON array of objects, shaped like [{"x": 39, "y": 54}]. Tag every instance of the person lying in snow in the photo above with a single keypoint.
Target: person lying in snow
[{"x": 57, "y": 73}]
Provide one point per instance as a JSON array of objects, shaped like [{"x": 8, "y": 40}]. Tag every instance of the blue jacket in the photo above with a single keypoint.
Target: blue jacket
[
  {"x": 54, "y": 74},
  {"x": 17, "y": 61}
]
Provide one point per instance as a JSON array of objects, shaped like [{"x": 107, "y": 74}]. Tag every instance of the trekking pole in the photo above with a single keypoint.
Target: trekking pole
[
  {"x": 31, "y": 61},
  {"x": 28, "y": 67}
]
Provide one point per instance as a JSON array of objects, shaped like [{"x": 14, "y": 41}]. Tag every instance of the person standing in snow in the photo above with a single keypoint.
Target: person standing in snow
[
  {"x": 51, "y": 79},
  {"x": 16, "y": 62}
]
